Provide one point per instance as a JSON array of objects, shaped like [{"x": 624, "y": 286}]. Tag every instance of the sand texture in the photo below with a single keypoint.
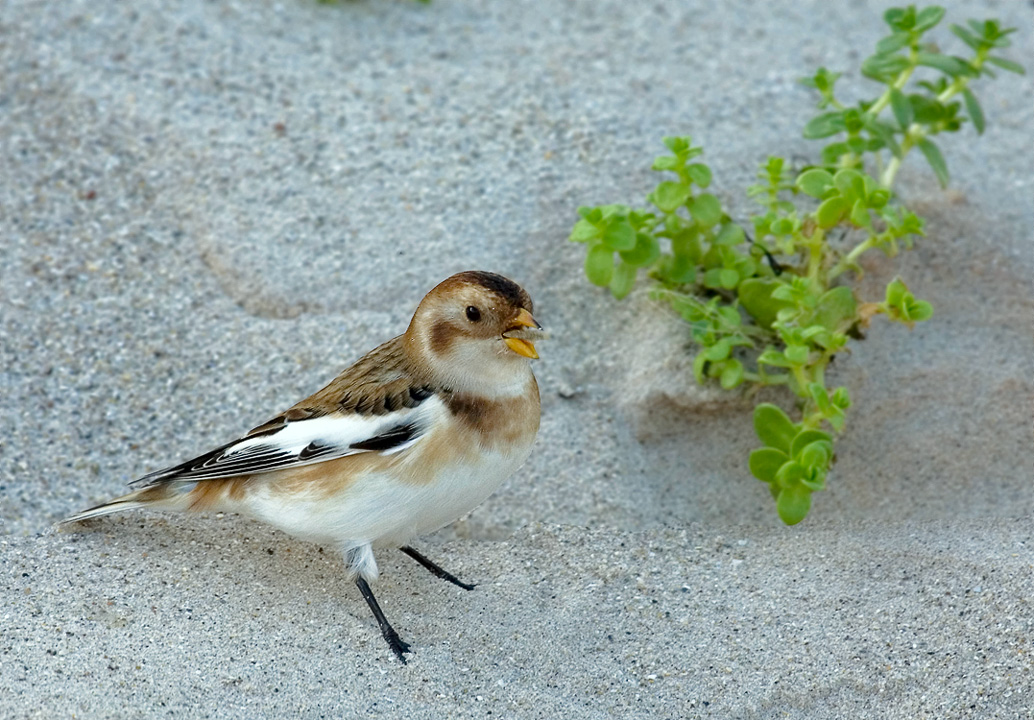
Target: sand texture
[{"x": 208, "y": 209}]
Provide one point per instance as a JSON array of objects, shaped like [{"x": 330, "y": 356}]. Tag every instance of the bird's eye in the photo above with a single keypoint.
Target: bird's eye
[{"x": 473, "y": 314}]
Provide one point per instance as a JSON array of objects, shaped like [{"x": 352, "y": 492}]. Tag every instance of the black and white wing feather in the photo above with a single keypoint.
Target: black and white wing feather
[{"x": 287, "y": 442}]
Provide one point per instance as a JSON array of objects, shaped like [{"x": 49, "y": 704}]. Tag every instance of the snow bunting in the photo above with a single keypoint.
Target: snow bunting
[{"x": 408, "y": 439}]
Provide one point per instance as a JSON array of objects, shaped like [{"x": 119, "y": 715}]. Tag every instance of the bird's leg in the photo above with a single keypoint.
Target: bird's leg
[
  {"x": 397, "y": 644},
  {"x": 435, "y": 570}
]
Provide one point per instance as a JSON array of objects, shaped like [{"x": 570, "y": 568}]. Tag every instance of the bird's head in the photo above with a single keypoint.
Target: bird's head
[{"x": 475, "y": 331}]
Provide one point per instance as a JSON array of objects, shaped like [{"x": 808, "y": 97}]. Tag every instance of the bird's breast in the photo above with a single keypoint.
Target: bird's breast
[{"x": 496, "y": 422}]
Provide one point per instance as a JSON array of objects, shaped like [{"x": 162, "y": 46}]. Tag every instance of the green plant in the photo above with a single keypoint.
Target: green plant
[{"x": 773, "y": 310}]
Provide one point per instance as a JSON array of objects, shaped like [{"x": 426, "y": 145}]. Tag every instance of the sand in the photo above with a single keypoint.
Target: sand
[{"x": 208, "y": 209}]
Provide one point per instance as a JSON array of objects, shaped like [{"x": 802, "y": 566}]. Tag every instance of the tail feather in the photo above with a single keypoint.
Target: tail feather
[{"x": 156, "y": 497}]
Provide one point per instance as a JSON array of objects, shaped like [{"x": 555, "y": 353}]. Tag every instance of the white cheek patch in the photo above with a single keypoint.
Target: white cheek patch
[{"x": 484, "y": 367}]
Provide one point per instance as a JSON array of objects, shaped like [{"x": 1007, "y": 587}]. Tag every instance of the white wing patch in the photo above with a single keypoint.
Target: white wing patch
[{"x": 305, "y": 442}]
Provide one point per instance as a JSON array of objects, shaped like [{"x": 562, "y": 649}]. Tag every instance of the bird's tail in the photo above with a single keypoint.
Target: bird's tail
[{"x": 158, "y": 497}]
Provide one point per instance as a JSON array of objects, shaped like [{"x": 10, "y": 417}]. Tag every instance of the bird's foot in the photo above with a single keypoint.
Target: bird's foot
[{"x": 398, "y": 646}]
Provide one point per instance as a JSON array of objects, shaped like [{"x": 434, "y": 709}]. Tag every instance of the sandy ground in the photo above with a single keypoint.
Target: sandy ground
[{"x": 208, "y": 209}]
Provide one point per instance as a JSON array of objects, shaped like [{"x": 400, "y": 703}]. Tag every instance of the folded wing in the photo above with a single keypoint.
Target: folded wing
[{"x": 294, "y": 439}]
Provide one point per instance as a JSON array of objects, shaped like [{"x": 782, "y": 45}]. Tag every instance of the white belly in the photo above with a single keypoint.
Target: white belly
[{"x": 380, "y": 510}]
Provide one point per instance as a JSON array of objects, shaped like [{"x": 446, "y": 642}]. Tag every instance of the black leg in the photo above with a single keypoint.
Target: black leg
[
  {"x": 397, "y": 644},
  {"x": 435, "y": 569}
]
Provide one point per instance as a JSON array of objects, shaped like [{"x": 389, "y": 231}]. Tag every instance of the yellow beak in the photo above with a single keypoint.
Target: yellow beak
[{"x": 520, "y": 345}]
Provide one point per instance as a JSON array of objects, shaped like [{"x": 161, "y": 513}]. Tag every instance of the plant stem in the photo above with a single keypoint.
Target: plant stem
[
  {"x": 814, "y": 420},
  {"x": 898, "y": 84},
  {"x": 765, "y": 380},
  {"x": 916, "y": 132},
  {"x": 851, "y": 258},
  {"x": 801, "y": 378},
  {"x": 818, "y": 373},
  {"x": 815, "y": 245}
]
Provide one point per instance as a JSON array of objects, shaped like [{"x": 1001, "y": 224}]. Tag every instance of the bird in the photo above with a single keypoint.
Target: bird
[{"x": 411, "y": 437}]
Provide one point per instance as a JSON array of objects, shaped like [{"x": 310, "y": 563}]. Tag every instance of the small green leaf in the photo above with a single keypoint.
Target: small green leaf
[
  {"x": 599, "y": 265},
  {"x": 893, "y": 43},
  {"x": 884, "y": 68},
  {"x": 793, "y": 504},
  {"x": 850, "y": 182},
  {"x": 623, "y": 280},
  {"x": 785, "y": 293},
  {"x": 836, "y": 419},
  {"x": 641, "y": 219},
  {"x": 922, "y": 310},
  {"x": 774, "y": 358},
  {"x": 878, "y": 198},
  {"x": 857, "y": 145},
  {"x": 928, "y": 110},
  {"x": 816, "y": 455},
  {"x": 665, "y": 162},
  {"x": 791, "y": 474},
  {"x": 685, "y": 242},
  {"x": 928, "y": 17},
  {"x": 936, "y": 160},
  {"x": 731, "y": 317},
  {"x": 797, "y": 354},
  {"x": 896, "y": 291},
  {"x": 773, "y": 427},
  {"x": 719, "y": 351},
  {"x": 584, "y": 231},
  {"x": 679, "y": 269},
  {"x": 713, "y": 278},
  {"x": 860, "y": 213},
  {"x": 810, "y": 332},
  {"x": 815, "y": 182},
  {"x": 619, "y": 235},
  {"x": 974, "y": 41},
  {"x": 823, "y": 80},
  {"x": 700, "y": 174},
  {"x": 732, "y": 374},
  {"x": 806, "y": 438},
  {"x": 883, "y": 134},
  {"x": 677, "y": 143},
  {"x": 900, "y": 18},
  {"x": 966, "y": 36},
  {"x": 973, "y": 109},
  {"x": 853, "y": 120},
  {"x": 705, "y": 209},
  {"x": 902, "y": 108},
  {"x": 645, "y": 252},
  {"x": 612, "y": 212},
  {"x": 1007, "y": 65},
  {"x": 755, "y": 296},
  {"x": 824, "y": 125},
  {"x": 746, "y": 266},
  {"x": 831, "y": 211},
  {"x": 814, "y": 482},
  {"x": 730, "y": 234},
  {"x": 832, "y": 153},
  {"x": 837, "y": 309},
  {"x": 593, "y": 215},
  {"x": 945, "y": 63},
  {"x": 670, "y": 195},
  {"x": 841, "y": 398},
  {"x": 728, "y": 278},
  {"x": 765, "y": 463}
]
